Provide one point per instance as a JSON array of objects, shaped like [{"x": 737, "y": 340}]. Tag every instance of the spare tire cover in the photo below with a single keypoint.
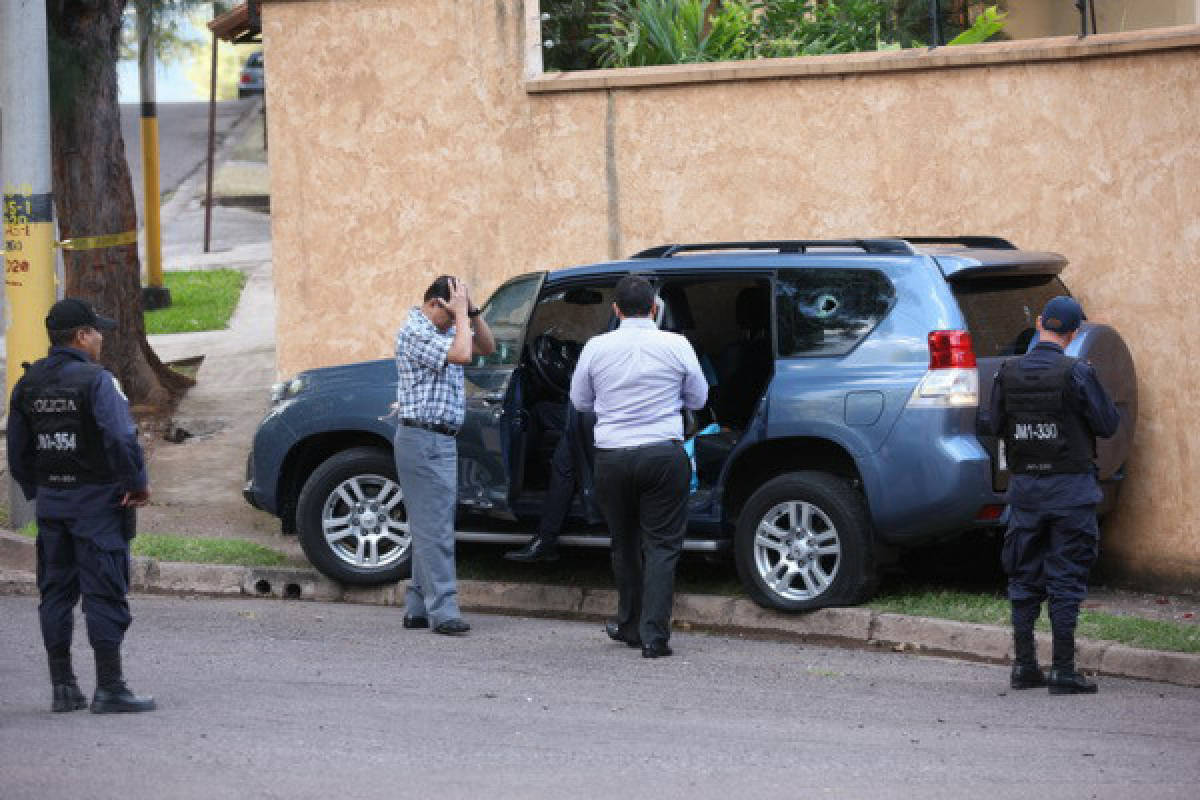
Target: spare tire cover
[{"x": 1105, "y": 350}]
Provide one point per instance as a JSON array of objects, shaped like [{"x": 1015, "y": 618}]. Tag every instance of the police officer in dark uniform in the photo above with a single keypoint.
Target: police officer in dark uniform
[
  {"x": 73, "y": 446},
  {"x": 1050, "y": 408}
]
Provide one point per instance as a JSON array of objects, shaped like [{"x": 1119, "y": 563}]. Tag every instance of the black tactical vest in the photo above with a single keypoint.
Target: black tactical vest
[
  {"x": 69, "y": 448},
  {"x": 1043, "y": 435}
]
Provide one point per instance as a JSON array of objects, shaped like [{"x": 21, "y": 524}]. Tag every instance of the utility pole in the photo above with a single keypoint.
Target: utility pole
[
  {"x": 28, "y": 196},
  {"x": 155, "y": 295}
]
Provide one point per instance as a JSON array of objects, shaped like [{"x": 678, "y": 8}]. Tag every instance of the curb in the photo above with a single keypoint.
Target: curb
[{"x": 846, "y": 627}]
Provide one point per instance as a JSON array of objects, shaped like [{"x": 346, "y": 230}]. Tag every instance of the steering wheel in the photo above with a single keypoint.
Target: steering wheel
[{"x": 554, "y": 360}]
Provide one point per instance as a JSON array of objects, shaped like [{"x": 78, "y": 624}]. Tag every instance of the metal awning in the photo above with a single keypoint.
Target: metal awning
[{"x": 241, "y": 25}]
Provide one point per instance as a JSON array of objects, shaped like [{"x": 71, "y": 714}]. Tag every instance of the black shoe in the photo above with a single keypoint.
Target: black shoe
[
  {"x": 67, "y": 697},
  {"x": 1068, "y": 681},
  {"x": 660, "y": 650},
  {"x": 538, "y": 549},
  {"x": 416, "y": 622},
  {"x": 109, "y": 701},
  {"x": 1026, "y": 677},
  {"x": 451, "y": 627},
  {"x": 617, "y": 635}
]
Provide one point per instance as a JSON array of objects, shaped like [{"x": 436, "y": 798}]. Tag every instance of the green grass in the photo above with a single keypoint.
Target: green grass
[
  {"x": 1151, "y": 634},
  {"x": 166, "y": 547},
  {"x": 201, "y": 300},
  {"x": 964, "y": 606},
  {"x": 993, "y": 609},
  {"x": 239, "y": 552}
]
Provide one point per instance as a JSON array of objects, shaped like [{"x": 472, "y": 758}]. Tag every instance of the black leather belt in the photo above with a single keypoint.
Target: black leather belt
[
  {"x": 435, "y": 427},
  {"x": 646, "y": 446}
]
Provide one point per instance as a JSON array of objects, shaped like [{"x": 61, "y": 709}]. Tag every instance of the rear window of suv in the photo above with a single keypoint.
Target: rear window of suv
[
  {"x": 827, "y": 312},
  {"x": 1001, "y": 312}
]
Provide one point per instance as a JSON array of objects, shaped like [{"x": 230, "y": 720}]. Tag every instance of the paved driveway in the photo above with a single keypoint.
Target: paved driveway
[{"x": 299, "y": 700}]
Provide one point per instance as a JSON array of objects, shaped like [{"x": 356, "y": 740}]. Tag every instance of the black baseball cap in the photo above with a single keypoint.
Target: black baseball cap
[{"x": 71, "y": 312}]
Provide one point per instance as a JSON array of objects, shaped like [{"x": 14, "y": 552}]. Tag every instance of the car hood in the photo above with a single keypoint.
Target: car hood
[{"x": 381, "y": 372}]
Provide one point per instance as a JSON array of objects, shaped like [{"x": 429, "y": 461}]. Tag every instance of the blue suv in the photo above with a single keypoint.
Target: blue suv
[{"x": 845, "y": 380}]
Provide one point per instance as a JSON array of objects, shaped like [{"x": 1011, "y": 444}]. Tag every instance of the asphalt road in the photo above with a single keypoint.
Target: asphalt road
[
  {"x": 299, "y": 700},
  {"x": 182, "y": 139}
]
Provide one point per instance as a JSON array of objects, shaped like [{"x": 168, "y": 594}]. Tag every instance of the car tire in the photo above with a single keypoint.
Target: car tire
[
  {"x": 350, "y": 519},
  {"x": 804, "y": 541}
]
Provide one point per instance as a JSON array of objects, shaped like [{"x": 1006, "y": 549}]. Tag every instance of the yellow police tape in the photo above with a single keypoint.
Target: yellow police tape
[{"x": 98, "y": 242}]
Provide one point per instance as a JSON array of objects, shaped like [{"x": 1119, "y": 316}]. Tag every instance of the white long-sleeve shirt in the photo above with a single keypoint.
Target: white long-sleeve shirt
[{"x": 637, "y": 379}]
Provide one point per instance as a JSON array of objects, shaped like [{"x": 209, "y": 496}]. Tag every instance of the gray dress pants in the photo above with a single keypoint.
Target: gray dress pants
[{"x": 427, "y": 466}]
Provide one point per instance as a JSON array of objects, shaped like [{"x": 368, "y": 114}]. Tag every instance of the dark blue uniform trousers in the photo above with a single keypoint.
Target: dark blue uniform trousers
[
  {"x": 1048, "y": 555},
  {"x": 88, "y": 556}
]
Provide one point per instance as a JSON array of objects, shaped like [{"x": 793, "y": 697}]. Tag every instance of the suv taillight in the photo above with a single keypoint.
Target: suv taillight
[
  {"x": 950, "y": 349},
  {"x": 952, "y": 380}
]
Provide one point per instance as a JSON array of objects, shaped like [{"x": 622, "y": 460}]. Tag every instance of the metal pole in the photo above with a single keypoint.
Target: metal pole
[
  {"x": 156, "y": 295},
  {"x": 1082, "y": 5},
  {"x": 212, "y": 137},
  {"x": 28, "y": 196},
  {"x": 935, "y": 23}
]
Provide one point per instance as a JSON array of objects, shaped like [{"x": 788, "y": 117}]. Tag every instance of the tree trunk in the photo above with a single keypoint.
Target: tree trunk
[{"x": 93, "y": 191}]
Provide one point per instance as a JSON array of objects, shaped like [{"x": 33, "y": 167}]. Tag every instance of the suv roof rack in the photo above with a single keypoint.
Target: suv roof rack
[
  {"x": 987, "y": 242},
  {"x": 872, "y": 246}
]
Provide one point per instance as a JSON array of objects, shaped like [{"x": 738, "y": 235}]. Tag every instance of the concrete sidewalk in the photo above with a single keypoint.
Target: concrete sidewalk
[{"x": 197, "y": 476}]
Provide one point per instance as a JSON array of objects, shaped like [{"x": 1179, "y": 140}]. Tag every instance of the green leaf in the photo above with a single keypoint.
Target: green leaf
[{"x": 990, "y": 22}]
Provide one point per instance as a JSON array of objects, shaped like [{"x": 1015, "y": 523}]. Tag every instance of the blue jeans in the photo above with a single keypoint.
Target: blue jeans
[{"x": 427, "y": 468}]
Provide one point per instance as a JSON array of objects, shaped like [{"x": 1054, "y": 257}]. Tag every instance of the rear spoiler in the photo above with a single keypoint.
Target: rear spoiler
[{"x": 984, "y": 264}]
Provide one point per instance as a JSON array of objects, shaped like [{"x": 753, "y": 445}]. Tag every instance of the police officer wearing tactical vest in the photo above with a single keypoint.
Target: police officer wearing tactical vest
[
  {"x": 1050, "y": 408},
  {"x": 73, "y": 446}
]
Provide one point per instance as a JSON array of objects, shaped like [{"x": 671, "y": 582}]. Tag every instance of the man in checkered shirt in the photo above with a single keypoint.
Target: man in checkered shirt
[{"x": 440, "y": 336}]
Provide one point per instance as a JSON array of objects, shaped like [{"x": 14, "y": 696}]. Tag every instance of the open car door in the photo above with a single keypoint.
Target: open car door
[{"x": 491, "y": 443}]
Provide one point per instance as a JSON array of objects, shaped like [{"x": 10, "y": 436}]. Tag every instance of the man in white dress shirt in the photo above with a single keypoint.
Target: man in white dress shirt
[{"x": 637, "y": 379}]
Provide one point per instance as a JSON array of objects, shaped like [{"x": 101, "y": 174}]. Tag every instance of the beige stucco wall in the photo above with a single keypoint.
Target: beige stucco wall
[{"x": 405, "y": 144}]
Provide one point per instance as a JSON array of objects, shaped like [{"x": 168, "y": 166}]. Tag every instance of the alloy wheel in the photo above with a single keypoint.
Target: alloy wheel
[
  {"x": 797, "y": 550},
  {"x": 364, "y": 522}
]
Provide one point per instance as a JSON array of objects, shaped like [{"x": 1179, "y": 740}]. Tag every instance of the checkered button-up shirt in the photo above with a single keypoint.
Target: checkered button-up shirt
[{"x": 428, "y": 388}]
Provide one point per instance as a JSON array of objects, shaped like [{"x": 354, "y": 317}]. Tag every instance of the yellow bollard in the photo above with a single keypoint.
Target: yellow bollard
[
  {"x": 28, "y": 275},
  {"x": 154, "y": 295}
]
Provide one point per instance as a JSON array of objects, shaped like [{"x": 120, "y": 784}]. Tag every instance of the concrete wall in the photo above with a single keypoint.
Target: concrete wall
[{"x": 407, "y": 142}]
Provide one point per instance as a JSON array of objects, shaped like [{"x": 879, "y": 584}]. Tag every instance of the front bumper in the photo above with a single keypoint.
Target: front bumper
[{"x": 249, "y": 490}]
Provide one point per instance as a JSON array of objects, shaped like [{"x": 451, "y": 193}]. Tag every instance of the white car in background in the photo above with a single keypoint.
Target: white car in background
[{"x": 251, "y": 81}]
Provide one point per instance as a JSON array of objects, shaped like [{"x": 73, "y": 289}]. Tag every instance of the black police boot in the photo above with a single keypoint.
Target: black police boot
[
  {"x": 67, "y": 696},
  {"x": 540, "y": 548},
  {"x": 1063, "y": 678},
  {"x": 1026, "y": 674},
  {"x": 112, "y": 695}
]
